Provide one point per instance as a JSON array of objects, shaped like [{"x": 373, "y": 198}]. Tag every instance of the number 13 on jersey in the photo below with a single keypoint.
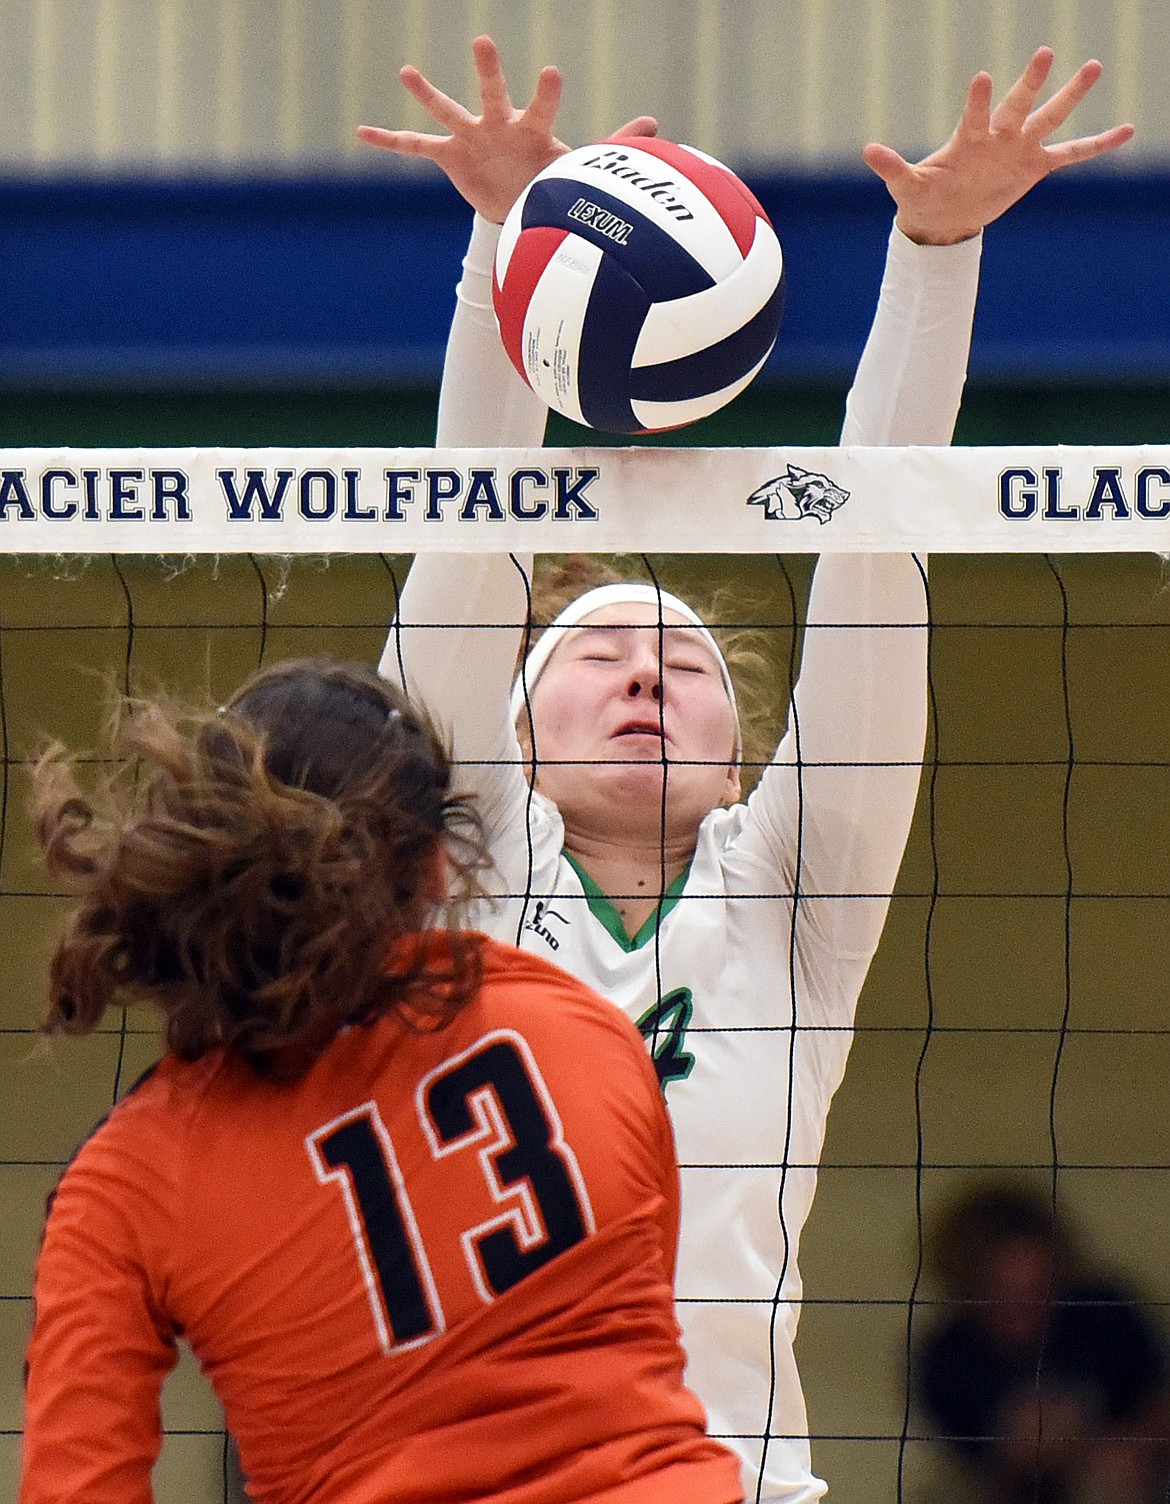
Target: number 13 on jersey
[{"x": 491, "y": 1100}]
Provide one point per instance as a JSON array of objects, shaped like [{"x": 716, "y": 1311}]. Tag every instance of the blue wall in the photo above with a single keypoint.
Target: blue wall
[{"x": 311, "y": 282}]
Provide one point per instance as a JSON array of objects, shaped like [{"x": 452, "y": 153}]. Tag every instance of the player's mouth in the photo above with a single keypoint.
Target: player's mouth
[{"x": 641, "y": 728}]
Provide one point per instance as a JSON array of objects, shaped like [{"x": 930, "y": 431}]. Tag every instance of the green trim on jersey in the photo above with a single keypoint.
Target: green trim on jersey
[{"x": 602, "y": 907}]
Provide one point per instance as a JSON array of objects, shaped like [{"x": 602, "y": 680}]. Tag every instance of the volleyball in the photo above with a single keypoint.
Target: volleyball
[{"x": 638, "y": 284}]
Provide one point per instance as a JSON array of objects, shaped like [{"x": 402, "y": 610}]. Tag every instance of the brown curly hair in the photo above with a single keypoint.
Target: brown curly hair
[{"x": 244, "y": 871}]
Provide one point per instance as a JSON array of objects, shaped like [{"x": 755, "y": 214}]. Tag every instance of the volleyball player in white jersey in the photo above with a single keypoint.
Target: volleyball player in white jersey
[{"x": 679, "y": 904}]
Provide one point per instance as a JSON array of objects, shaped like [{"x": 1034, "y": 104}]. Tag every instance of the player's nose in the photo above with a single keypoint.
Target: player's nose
[{"x": 644, "y": 672}]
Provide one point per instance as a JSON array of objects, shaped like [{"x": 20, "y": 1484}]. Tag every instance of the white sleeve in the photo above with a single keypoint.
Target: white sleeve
[
  {"x": 483, "y": 399},
  {"x": 839, "y": 797},
  {"x": 834, "y": 808},
  {"x": 454, "y": 645},
  {"x": 910, "y": 378},
  {"x": 453, "y": 649}
]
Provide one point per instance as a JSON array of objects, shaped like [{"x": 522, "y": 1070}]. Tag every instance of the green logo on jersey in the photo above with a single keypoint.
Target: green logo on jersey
[{"x": 664, "y": 1028}]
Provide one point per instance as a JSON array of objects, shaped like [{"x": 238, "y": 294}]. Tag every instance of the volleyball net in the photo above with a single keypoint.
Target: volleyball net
[{"x": 1013, "y": 1023}]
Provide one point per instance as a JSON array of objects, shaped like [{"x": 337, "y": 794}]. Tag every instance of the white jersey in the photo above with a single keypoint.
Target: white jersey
[{"x": 746, "y": 982}]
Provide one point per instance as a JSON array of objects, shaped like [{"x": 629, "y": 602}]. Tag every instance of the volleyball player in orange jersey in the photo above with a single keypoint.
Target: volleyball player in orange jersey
[{"x": 408, "y": 1194}]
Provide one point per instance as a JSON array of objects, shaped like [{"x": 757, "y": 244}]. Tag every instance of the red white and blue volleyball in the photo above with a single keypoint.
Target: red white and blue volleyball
[{"x": 638, "y": 284}]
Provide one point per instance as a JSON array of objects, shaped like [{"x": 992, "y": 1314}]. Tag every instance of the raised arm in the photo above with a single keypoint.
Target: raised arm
[
  {"x": 858, "y": 722},
  {"x": 911, "y": 375},
  {"x": 463, "y": 675},
  {"x": 489, "y": 158}
]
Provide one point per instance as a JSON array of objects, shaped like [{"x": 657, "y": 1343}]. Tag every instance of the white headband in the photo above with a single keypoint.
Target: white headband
[{"x": 624, "y": 595}]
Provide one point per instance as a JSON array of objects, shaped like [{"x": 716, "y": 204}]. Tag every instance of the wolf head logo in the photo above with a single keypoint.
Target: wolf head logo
[{"x": 798, "y": 493}]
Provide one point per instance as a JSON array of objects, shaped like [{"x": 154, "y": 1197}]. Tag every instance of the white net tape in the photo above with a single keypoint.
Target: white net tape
[{"x": 801, "y": 500}]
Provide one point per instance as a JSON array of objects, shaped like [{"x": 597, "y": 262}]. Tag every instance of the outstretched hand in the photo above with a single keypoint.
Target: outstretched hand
[
  {"x": 993, "y": 157},
  {"x": 490, "y": 157}
]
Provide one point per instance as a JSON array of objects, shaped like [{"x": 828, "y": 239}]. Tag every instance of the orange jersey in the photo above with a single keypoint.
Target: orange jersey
[{"x": 437, "y": 1269}]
